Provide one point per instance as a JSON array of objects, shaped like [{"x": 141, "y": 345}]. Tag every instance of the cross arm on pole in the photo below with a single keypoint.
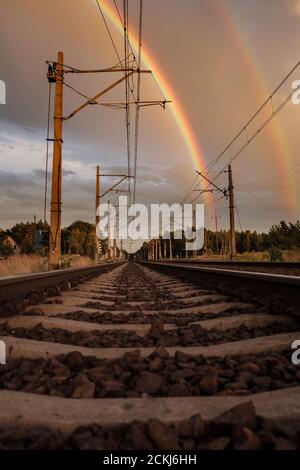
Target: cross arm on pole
[
  {"x": 116, "y": 68},
  {"x": 101, "y": 93},
  {"x": 223, "y": 191},
  {"x": 205, "y": 190},
  {"x": 139, "y": 103},
  {"x": 124, "y": 177},
  {"x": 118, "y": 176}
]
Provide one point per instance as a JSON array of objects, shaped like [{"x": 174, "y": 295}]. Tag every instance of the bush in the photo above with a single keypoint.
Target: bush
[{"x": 275, "y": 254}]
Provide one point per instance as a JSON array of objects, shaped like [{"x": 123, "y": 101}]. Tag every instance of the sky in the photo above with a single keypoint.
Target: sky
[{"x": 220, "y": 58}]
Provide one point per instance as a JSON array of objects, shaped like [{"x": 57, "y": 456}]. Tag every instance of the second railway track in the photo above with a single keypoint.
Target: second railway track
[{"x": 148, "y": 356}]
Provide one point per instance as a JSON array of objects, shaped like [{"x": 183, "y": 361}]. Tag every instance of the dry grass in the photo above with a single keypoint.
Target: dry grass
[
  {"x": 81, "y": 261},
  {"x": 253, "y": 256},
  {"x": 26, "y": 264},
  {"x": 291, "y": 255},
  {"x": 287, "y": 255},
  {"x": 23, "y": 264}
]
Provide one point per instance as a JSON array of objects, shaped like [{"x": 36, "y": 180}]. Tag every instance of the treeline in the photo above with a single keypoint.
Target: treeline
[
  {"x": 79, "y": 238},
  {"x": 31, "y": 237},
  {"x": 282, "y": 236}
]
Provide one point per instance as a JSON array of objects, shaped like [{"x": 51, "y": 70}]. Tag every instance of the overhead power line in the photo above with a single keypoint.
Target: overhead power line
[
  {"x": 246, "y": 125},
  {"x": 137, "y": 109},
  {"x": 108, "y": 31}
]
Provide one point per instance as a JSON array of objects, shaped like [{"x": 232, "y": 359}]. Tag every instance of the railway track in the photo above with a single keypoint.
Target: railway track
[
  {"x": 291, "y": 268},
  {"x": 149, "y": 356}
]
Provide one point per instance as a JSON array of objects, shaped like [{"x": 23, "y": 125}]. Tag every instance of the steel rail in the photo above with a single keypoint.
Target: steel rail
[
  {"x": 279, "y": 293},
  {"x": 21, "y": 290},
  {"x": 267, "y": 264}
]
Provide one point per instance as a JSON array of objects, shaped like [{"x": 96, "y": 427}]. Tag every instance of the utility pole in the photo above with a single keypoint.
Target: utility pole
[
  {"x": 108, "y": 238},
  {"x": 56, "y": 72},
  {"x": 35, "y": 238},
  {"x": 170, "y": 241},
  {"x": 231, "y": 213},
  {"x": 159, "y": 248},
  {"x": 114, "y": 249},
  {"x": 55, "y": 218},
  {"x": 97, "y": 241},
  {"x": 216, "y": 217}
]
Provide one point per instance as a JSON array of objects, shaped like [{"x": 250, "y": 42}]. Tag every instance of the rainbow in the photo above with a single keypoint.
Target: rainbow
[
  {"x": 248, "y": 61},
  {"x": 252, "y": 73},
  {"x": 176, "y": 107}
]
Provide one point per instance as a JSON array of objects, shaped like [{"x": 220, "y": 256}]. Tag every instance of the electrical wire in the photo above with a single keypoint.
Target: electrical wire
[
  {"x": 258, "y": 130},
  {"x": 121, "y": 21},
  {"x": 108, "y": 31},
  {"x": 245, "y": 126},
  {"x": 275, "y": 181},
  {"x": 137, "y": 109},
  {"x": 237, "y": 212},
  {"x": 127, "y": 109}
]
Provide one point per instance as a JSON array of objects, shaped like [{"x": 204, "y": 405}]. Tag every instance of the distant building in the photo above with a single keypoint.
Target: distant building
[{"x": 8, "y": 239}]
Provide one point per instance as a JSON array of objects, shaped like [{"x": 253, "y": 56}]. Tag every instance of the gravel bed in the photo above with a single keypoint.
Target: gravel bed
[
  {"x": 237, "y": 429},
  {"x": 192, "y": 335},
  {"x": 75, "y": 376},
  {"x": 182, "y": 319}
]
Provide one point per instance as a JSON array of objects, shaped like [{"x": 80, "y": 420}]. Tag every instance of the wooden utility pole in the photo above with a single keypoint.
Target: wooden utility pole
[
  {"x": 35, "y": 238},
  {"x": 114, "y": 249},
  {"x": 159, "y": 249},
  {"x": 55, "y": 218},
  {"x": 170, "y": 241},
  {"x": 55, "y": 75},
  {"x": 108, "y": 237},
  {"x": 231, "y": 213},
  {"x": 216, "y": 217},
  {"x": 97, "y": 218},
  {"x": 121, "y": 249}
]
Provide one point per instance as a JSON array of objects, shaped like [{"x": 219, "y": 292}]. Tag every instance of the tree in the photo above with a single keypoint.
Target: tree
[
  {"x": 79, "y": 238},
  {"x": 24, "y": 234}
]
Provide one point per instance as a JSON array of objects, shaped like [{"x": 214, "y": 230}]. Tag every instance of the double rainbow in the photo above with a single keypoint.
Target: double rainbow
[
  {"x": 238, "y": 41},
  {"x": 247, "y": 59}
]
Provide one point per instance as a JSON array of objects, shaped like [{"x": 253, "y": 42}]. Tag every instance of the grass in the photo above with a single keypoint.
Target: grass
[
  {"x": 26, "y": 264},
  {"x": 287, "y": 255},
  {"x": 23, "y": 264},
  {"x": 73, "y": 261}
]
